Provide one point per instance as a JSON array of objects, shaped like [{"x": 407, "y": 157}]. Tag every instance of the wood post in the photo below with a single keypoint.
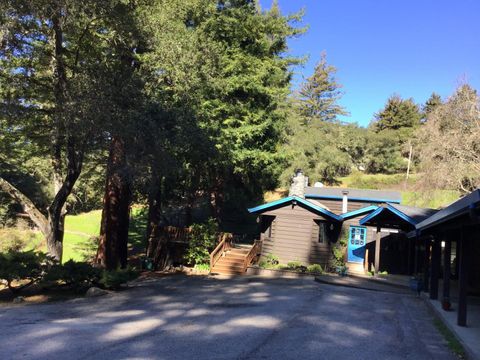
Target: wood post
[
  {"x": 416, "y": 248},
  {"x": 462, "y": 279},
  {"x": 426, "y": 270},
  {"x": 435, "y": 273},
  {"x": 366, "y": 266},
  {"x": 447, "y": 251},
  {"x": 409, "y": 259},
  {"x": 377, "y": 250}
]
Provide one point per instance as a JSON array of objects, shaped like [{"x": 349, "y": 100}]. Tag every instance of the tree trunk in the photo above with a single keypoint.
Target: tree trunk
[
  {"x": 216, "y": 201},
  {"x": 113, "y": 248},
  {"x": 154, "y": 214},
  {"x": 37, "y": 217}
]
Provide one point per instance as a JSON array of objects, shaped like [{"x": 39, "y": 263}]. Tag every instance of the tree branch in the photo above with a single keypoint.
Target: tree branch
[{"x": 28, "y": 206}]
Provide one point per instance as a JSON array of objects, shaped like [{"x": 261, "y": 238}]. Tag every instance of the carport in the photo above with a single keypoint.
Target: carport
[
  {"x": 459, "y": 223},
  {"x": 389, "y": 218}
]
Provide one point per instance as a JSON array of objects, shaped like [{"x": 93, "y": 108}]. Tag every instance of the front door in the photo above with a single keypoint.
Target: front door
[{"x": 357, "y": 240}]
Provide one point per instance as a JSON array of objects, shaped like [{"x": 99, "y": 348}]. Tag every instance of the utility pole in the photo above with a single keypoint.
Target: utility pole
[{"x": 409, "y": 162}]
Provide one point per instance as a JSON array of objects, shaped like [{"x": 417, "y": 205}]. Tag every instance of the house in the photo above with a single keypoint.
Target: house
[{"x": 306, "y": 225}]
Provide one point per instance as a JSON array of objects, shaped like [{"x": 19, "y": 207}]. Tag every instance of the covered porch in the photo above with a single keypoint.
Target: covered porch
[
  {"x": 451, "y": 240},
  {"x": 392, "y": 223}
]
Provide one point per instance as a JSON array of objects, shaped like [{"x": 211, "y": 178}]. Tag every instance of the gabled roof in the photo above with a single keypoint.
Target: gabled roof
[
  {"x": 296, "y": 201},
  {"x": 462, "y": 206},
  {"x": 355, "y": 213},
  {"x": 363, "y": 195},
  {"x": 396, "y": 215}
]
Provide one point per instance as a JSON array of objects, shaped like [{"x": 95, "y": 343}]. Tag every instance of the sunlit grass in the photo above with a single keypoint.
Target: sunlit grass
[{"x": 81, "y": 229}]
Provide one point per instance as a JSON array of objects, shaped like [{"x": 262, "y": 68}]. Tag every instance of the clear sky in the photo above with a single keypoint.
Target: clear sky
[{"x": 382, "y": 47}]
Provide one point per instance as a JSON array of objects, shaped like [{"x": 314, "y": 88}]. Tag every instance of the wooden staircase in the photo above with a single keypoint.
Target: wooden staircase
[
  {"x": 232, "y": 262},
  {"x": 228, "y": 259}
]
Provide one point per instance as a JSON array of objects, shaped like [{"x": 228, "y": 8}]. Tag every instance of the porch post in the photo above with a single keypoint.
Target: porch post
[
  {"x": 426, "y": 270},
  {"x": 409, "y": 259},
  {"x": 416, "y": 244},
  {"x": 434, "y": 275},
  {"x": 377, "y": 250},
  {"x": 365, "y": 261},
  {"x": 462, "y": 280},
  {"x": 447, "y": 251}
]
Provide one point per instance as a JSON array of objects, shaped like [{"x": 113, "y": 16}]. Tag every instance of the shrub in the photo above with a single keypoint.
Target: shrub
[
  {"x": 202, "y": 241},
  {"x": 114, "y": 279},
  {"x": 78, "y": 275},
  {"x": 315, "y": 269},
  {"x": 202, "y": 267},
  {"x": 89, "y": 248},
  {"x": 15, "y": 239},
  {"x": 26, "y": 267},
  {"x": 269, "y": 262},
  {"x": 295, "y": 266},
  {"x": 338, "y": 250}
]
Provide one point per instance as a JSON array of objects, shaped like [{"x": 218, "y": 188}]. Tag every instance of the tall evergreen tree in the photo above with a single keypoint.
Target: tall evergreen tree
[
  {"x": 320, "y": 93},
  {"x": 315, "y": 141},
  {"x": 241, "y": 111},
  {"x": 398, "y": 114},
  {"x": 431, "y": 104}
]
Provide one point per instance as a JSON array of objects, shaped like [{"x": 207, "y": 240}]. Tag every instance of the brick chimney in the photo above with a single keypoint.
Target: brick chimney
[{"x": 297, "y": 186}]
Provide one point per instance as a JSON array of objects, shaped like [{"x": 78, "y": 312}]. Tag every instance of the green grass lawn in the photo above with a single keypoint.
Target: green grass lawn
[{"x": 81, "y": 231}]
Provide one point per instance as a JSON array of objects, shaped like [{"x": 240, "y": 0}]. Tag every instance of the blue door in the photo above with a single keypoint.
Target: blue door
[{"x": 357, "y": 240}]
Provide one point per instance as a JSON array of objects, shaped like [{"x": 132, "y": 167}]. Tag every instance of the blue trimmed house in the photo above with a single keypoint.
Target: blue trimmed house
[{"x": 305, "y": 226}]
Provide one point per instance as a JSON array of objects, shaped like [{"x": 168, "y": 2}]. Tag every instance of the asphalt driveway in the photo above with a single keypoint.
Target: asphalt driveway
[{"x": 183, "y": 317}]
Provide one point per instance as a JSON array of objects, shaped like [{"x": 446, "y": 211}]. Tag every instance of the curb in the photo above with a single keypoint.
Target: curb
[
  {"x": 353, "y": 286},
  {"x": 438, "y": 313}
]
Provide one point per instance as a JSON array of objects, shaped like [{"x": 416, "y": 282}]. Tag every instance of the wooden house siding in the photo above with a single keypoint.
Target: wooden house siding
[
  {"x": 294, "y": 237},
  {"x": 335, "y": 206},
  {"x": 295, "y": 233}
]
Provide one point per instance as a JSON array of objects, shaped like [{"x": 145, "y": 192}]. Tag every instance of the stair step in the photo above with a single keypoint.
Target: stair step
[
  {"x": 222, "y": 269},
  {"x": 227, "y": 272},
  {"x": 230, "y": 260},
  {"x": 229, "y": 265},
  {"x": 239, "y": 251},
  {"x": 236, "y": 253},
  {"x": 355, "y": 268}
]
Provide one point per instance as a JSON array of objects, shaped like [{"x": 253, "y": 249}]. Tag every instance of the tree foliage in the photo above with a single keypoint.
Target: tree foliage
[
  {"x": 450, "y": 143},
  {"x": 320, "y": 93},
  {"x": 398, "y": 114}
]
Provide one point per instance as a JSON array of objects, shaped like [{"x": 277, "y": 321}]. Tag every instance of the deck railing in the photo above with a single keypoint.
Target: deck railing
[
  {"x": 224, "y": 245},
  {"x": 252, "y": 254}
]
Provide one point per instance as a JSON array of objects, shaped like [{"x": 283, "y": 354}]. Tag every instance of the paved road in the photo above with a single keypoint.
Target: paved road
[{"x": 245, "y": 318}]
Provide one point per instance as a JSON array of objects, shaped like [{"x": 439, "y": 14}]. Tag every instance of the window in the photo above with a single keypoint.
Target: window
[{"x": 322, "y": 233}]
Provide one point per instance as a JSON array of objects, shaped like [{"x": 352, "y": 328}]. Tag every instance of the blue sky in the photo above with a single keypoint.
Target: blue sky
[{"x": 382, "y": 47}]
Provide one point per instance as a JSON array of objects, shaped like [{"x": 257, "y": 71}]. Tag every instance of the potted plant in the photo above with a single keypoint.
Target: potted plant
[
  {"x": 446, "y": 304},
  {"x": 416, "y": 284},
  {"x": 342, "y": 270}
]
